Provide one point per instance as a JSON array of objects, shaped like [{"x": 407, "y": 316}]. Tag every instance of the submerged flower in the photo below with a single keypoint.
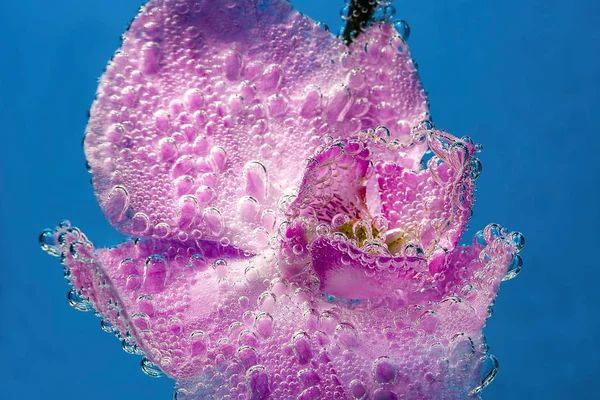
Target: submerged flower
[{"x": 297, "y": 216}]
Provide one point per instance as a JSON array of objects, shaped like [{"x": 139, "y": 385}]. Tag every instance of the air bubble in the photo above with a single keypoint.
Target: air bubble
[
  {"x": 517, "y": 240},
  {"x": 115, "y": 133},
  {"x": 475, "y": 169},
  {"x": 167, "y": 149},
  {"x": 162, "y": 230},
  {"x": 308, "y": 377},
  {"x": 312, "y": 101},
  {"x": 345, "y": 13},
  {"x": 340, "y": 102},
  {"x": 298, "y": 249},
  {"x": 358, "y": 390},
  {"x": 218, "y": 158},
  {"x": 183, "y": 166},
  {"x": 198, "y": 262},
  {"x": 247, "y": 355},
  {"x": 263, "y": 324},
  {"x": 267, "y": 301},
  {"x": 162, "y": 120},
  {"x": 248, "y": 338},
  {"x": 323, "y": 229},
  {"x": 251, "y": 274},
  {"x": 346, "y": 335},
  {"x": 133, "y": 282},
  {"x": 257, "y": 182},
  {"x": 48, "y": 244},
  {"x": 248, "y": 208},
  {"x": 232, "y": 63},
  {"x": 194, "y": 99},
  {"x": 311, "y": 393},
  {"x": 214, "y": 220},
  {"x": 271, "y": 78},
  {"x": 356, "y": 79},
  {"x": 515, "y": 266},
  {"x": 199, "y": 342},
  {"x": 385, "y": 370},
  {"x": 390, "y": 12},
  {"x": 82, "y": 251},
  {"x": 463, "y": 348},
  {"x": 320, "y": 30},
  {"x": 78, "y": 302},
  {"x": 236, "y": 104},
  {"x": 131, "y": 348},
  {"x": 384, "y": 394},
  {"x": 205, "y": 194},
  {"x": 141, "y": 320},
  {"x": 146, "y": 304},
  {"x": 382, "y": 133},
  {"x": 257, "y": 382},
  {"x": 277, "y": 104},
  {"x": 151, "y": 369},
  {"x": 492, "y": 232},
  {"x": 489, "y": 370},
  {"x": 116, "y": 204},
  {"x": 403, "y": 29},
  {"x": 220, "y": 267},
  {"x": 231, "y": 3},
  {"x": 302, "y": 347},
  {"x": 140, "y": 223},
  {"x": 155, "y": 274},
  {"x": 150, "y": 58},
  {"x": 127, "y": 266}
]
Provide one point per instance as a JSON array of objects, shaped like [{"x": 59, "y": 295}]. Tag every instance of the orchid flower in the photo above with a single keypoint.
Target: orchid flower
[{"x": 296, "y": 215}]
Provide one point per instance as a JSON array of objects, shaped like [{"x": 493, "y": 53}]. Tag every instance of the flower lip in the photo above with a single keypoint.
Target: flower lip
[{"x": 422, "y": 213}]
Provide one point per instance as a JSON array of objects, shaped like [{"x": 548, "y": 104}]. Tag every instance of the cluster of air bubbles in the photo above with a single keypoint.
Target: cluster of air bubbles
[
  {"x": 69, "y": 243},
  {"x": 358, "y": 15},
  {"x": 499, "y": 238},
  {"x": 441, "y": 146}
]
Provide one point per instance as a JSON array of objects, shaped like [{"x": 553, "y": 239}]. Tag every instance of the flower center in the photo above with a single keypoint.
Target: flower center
[{"x": 366, "y": 233}]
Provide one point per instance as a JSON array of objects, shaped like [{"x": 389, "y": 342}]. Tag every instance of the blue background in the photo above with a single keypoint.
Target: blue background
[{"x": 521, "y": 77}]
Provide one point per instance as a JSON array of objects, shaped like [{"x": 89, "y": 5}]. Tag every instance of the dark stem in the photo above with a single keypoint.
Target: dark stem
[{"x": 355, "y": 23}]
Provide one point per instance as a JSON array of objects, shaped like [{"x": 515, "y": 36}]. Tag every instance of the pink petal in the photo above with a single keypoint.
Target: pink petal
[
  {"x": 332, "y": 192},
  {"x": 353, "y": 183},
  {"x": 432, "y": 205},
  {"x": 203, "y": 116},
  {"x": 225, "y": 325},
  {"x": 385, "y": 77},
  {"x": 334, "y": 183},
  {"x": 351, "y": 273}
]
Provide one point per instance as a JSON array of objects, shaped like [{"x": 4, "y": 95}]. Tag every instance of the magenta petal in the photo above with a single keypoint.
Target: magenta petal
[
  {"x": 197, "y": 111},
  {"x": 224, "y": 325},
  {"x": 431, "y": 205},
  {"x": 198, "y": 127},
  {"x": 349, "y": 272},
  {"x": 334, "y": 183},
  {"x": 391, "y": 93},
  {"x": 259, "y": 278},
  {"x": 333, "y": 189}
]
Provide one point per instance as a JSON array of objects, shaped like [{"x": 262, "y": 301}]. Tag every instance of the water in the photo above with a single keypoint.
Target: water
[{"x": 505, "y": 74}]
